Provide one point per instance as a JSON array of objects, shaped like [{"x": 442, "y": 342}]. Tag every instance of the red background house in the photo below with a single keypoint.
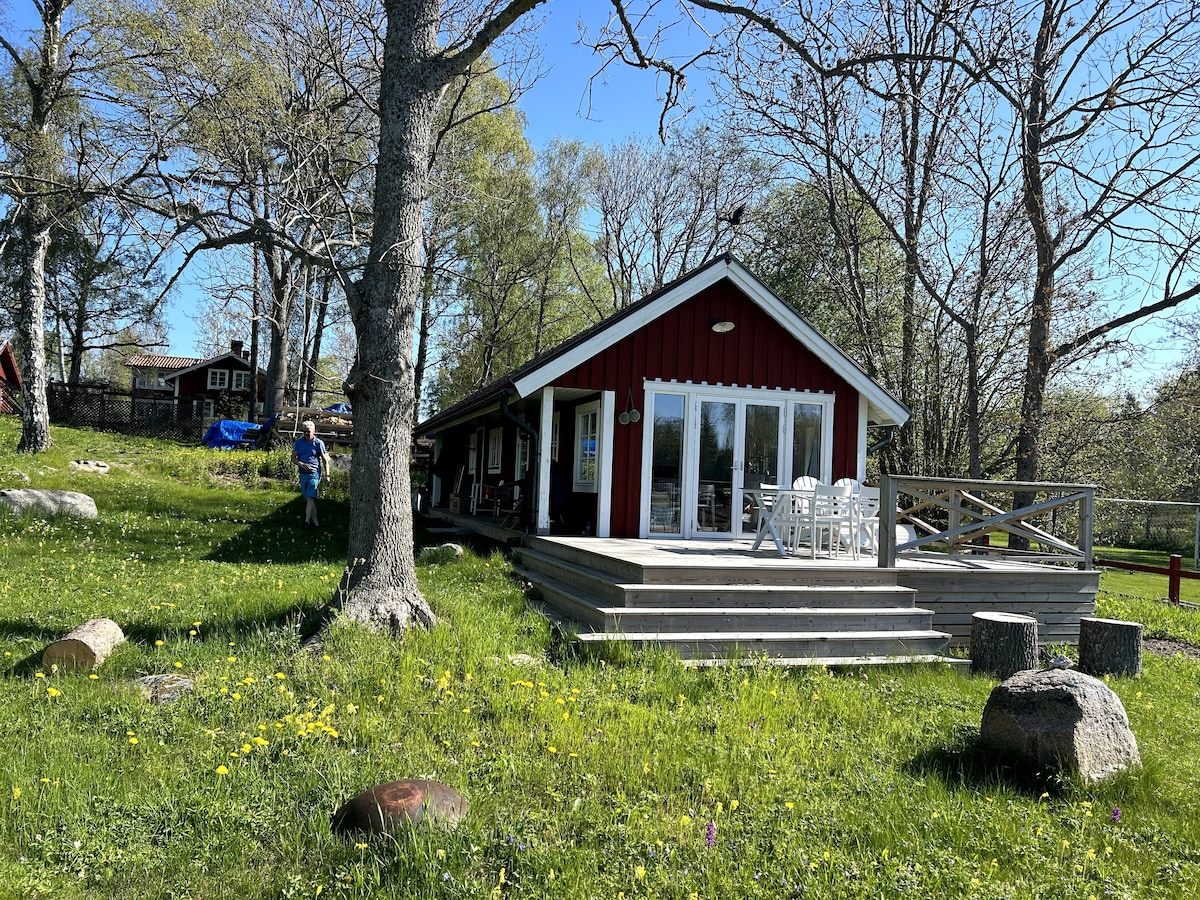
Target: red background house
[
  {"x": 661, "y": 418},
  {"x": 10, "y": 379},
  {"x": 217, "y": 386}
]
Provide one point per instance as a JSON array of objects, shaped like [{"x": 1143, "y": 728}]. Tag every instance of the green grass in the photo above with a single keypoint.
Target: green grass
[{"x": 589, "y": 776}]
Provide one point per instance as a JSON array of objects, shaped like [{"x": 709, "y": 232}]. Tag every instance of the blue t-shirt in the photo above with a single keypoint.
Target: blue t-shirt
[{"x": 309, "y": 453}]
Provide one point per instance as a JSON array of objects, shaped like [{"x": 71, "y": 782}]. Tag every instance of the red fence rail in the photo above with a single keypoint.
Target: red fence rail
[{"x": 1174, "y": 572}]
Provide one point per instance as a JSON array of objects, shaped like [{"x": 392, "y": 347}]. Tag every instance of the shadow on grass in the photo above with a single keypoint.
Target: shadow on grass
[
  {"x": 968, "y": 762},
  {"x": 278, "y": 538},
  {"x": 304, "y": 620}
]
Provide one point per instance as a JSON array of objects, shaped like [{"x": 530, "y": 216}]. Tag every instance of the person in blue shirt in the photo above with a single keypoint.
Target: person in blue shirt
[{"x": 312, "y": 459}]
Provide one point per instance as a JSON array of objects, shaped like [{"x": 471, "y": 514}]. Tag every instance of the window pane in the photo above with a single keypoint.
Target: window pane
[
  {"x": 666, "y": 472},
  {"x": 806, "y": 440}
]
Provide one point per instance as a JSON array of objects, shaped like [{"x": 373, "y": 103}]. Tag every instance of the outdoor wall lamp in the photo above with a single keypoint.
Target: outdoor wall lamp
[{"x": 722, "y": 326}]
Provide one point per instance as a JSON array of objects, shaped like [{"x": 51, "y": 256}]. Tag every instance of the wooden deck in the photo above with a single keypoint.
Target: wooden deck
[{"x": 716, "y": 600}]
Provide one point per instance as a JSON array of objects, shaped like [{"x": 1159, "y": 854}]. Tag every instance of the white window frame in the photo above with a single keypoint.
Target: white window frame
[
  {"x": 218, "y": 379},
  {"x": 473, "y": 455},
  {"x": 521, "y": 468},
  {"x": 555, "y": 430},
  {"x": 209, "y": 409},
  {"x": 241, "y": 381},
  {"x": 584, "y": 413},
  {"x": 495, "y": 457}
]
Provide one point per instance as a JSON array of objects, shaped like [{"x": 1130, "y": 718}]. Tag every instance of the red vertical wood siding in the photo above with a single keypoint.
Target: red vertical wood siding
[{"x": 681, "y": 345}]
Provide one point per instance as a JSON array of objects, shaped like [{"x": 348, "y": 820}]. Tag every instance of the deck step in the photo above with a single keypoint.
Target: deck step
[
  {"x": 803, "y": 645},
  {"x": 763, "y": 618},
  {"x": 956, "y": 661}
]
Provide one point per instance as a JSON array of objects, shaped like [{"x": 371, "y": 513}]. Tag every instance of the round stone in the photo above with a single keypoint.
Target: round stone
[{"x": 409, "y": 801}]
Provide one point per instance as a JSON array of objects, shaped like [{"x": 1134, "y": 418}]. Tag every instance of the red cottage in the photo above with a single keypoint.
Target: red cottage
[{"x": 659, "y": 419}]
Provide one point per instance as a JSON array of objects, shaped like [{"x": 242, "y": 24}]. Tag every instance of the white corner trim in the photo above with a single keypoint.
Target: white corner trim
[
  {"x": 543, "y": 485},
  {"x": 604, "y": 463},
  {"x": 860, "y": 450}
]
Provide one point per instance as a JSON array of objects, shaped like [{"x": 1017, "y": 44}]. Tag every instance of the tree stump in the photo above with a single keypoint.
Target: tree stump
[
  {"x": 1003, "y": 643},
  {"x": 1110, "y": 647},
  {"x": 84, "y": 648}
]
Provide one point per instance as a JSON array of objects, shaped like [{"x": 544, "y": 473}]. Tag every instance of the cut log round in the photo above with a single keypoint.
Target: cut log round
[
  {"x": 84, "y": 648},
  {"x": 1110, "y": 647},
  {"x": 1003, "y": 643}
]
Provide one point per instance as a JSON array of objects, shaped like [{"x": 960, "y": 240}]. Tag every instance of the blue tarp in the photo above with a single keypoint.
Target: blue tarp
[
  {"x": 224, "y": 434},
  {"x": 339, "y": 408}
]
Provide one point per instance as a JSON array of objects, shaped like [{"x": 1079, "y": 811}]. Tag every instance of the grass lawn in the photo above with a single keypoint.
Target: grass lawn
[{"x": 589, "y": 777}]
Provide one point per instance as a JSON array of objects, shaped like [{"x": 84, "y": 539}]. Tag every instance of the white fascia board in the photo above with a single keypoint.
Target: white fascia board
[
  {"x": 558, "y": 367},
  {"x": 889, "y": 411},
  {"x": 888, "y": 408}
]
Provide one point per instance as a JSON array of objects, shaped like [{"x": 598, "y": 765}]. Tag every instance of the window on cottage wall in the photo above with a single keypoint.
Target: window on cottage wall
[
  {"x": 241, "y": 381},
  {"x": 807, "y": 427},
  {"x": 522, "y": 468},
  {"x": 587, "y": 421},
  {"x": 495, "y": 450},
  {"x": 218, "y": 379},
  {"x": 554, "y": 430}
]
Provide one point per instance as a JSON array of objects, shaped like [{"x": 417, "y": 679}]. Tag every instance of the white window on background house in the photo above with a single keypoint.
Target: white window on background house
[
  {"x": 587, "y": 423},
  {"x": 218, "y": 379},
  {"x": 209, "y": 410},
  {"x": 241, "y": 381},
  {"x": 495, "y": 450}
]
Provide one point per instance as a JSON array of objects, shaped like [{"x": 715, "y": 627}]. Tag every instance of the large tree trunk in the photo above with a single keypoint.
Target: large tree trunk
[
  {"x": 30, "y": 333},
  {"x": 380, "y": 586}
]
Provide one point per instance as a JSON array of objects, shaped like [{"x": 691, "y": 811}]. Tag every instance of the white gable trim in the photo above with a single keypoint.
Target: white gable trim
[{"x": 888, "y": 410}]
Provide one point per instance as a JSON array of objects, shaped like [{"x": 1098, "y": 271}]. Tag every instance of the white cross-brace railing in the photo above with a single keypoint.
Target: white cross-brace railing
[{"x": 970, "y": 519}]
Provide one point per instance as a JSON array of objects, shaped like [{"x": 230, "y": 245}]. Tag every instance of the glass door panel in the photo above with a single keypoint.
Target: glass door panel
[
  {"x": 806, "y": 440},
  {"x": 666, "y": 467},
  {"x": 760, "y": 456},
  {"x": 715, "y": 482}
]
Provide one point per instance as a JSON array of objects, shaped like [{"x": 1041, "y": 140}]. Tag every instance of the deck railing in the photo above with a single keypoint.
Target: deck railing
[{"x": 959, "y": 516}]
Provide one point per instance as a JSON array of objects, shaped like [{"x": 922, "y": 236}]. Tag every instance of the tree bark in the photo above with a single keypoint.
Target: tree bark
[
  {"x": 1003, "y": 644},
  {"x": 85, "y": 647},
  {"x": 31, "y": 312},
  {"x": 1110, "y": 647},
  {"x": 379, "y": 587}
]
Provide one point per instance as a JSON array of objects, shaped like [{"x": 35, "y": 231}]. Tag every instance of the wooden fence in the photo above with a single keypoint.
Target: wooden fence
[
  {"x": 126, "y": 413},
  {"x": 1174, "y": 573}
]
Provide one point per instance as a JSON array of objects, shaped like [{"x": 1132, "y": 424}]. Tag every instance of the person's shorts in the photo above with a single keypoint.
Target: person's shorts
[{"x": 309, "y": 482}]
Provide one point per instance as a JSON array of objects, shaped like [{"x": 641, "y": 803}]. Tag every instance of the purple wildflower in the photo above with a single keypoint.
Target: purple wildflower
[
  {"x": 710, "y": 834},
  {"x": 1116, "y": 814}
]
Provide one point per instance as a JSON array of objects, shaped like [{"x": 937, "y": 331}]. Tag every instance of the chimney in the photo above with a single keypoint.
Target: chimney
[{"x": 235, "y": 347}]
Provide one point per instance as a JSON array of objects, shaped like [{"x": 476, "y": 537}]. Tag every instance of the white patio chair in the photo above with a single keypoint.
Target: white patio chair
[
  {"x": 834, "y": 511},
  {"x": 805, "y": 483},
  {"x": 854, "y": 484},
  {"x": 868, "y": 518}
]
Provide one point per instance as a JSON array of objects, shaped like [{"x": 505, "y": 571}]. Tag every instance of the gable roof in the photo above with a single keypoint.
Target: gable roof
[
  {"x": 883, "y": 406},
  {"x": 210, "y": 361}
]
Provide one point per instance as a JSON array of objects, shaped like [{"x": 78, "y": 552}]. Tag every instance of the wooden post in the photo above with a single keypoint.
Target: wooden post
[
  {"x": 84, "y": 648},
  {"x": 887, "y": 522},
  {"x": 1173, "y": 579},
  {"x": 1110, "y": 647},
  {"x": 1003, "y": 643}
]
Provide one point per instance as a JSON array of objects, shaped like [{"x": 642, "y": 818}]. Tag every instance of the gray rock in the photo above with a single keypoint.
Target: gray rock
[
  {"x": 17, "y": 475},
  {"x": 1061, "y": 719},
  {"x": 443, "y": 553},
  {"x": 49, "y": 503},
  {"x": 167, "y": 688},
  {"x": 409, "y": 801},
  {"x": 94, "y": 466}
]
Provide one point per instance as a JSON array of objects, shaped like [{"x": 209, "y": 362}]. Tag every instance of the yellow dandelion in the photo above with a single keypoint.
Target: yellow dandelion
[
  {"x": 39, "y": 674},
  {"x": 222, "y": 770},
  {"x": 93, "y": 677},
  {"x": 552, "y": 749},
  {"x": 16, "y": 793},
  {"x": 640, "y": 872},
  {"x": 178, "y": 664},
  {"x": 685, "y": 820},
  {"x": 53, "y": 692},
  {"x": 133, "y": 740}
]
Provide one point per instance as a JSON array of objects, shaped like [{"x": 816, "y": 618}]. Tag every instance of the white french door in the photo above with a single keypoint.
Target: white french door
[{"x": 707, "y": 448}]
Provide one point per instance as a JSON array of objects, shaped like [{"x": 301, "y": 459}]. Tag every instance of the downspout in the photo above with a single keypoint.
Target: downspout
[
  {"x": 530, "y": 516},
  {"x": 887, "y": 439}
]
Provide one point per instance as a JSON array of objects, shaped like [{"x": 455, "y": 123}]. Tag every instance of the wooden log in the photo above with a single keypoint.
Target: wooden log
[
  {"x": 1110, "y": 647},
  {"x": 1003, "y": 644},
  {"x": 84, "y": 648}
]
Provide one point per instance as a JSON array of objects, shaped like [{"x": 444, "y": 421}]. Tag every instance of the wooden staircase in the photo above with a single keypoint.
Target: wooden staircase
[{"x": 710, "y": 611}]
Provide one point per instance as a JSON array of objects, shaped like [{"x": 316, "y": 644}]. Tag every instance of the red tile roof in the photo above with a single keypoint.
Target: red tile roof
[{"x": 162, "y": 362}]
